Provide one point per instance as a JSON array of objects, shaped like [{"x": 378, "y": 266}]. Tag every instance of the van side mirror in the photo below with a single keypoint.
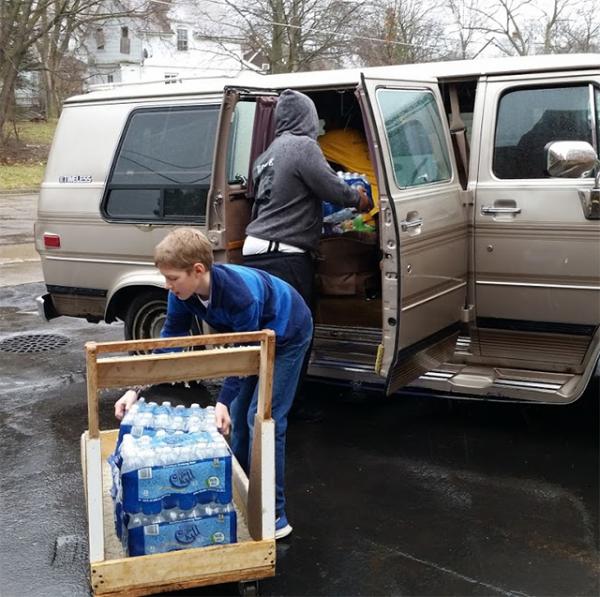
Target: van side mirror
[{"x": 572, "y": 159}]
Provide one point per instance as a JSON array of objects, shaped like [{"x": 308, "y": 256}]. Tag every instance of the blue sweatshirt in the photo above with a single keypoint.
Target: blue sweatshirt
[{"x": 242, "y": 299}]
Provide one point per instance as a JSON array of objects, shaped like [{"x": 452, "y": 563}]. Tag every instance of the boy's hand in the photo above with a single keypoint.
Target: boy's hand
[
  {"x": 222, "y": 418},
  {"x": 365, "y": 203},
  {"x": 124, "y": 403}
]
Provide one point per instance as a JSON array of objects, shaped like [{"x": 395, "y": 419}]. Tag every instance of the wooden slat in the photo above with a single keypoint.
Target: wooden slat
[
  {"x": 82, "y": 454},
  {"x": 108, "y": 441},
  {"x": 240, "y": 486},
  {"x": 265, "y": 378},
  {"x": 118, "y": 372},
  {"x": 241, "y": 575},
  {"x": 199, "y": 566},
  {"x": 93, "y": 468},
  {"x": 92, "y": 388},
  {"x": 261, "y": 488},
  {"x": 182, "y": 341}
]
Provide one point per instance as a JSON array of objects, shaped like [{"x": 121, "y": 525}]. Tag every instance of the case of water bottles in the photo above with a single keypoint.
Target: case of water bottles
[
  {"x": 171, "y": 480},
  {"x": 338, "y": 219}
]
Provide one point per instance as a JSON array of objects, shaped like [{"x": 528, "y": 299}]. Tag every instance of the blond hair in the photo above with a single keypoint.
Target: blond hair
[{"x": 182, "y": 248}]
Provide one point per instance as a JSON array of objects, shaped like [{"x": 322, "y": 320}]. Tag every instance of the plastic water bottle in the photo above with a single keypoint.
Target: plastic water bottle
[
  {"x": 339, "y": 216},
  {"x": 162, "y": 418}
]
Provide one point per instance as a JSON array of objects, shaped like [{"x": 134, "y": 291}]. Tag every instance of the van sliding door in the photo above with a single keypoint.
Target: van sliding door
[{"x": 423, "y": 227}]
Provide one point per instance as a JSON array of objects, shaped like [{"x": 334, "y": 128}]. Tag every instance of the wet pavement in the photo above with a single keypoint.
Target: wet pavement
[
  {"x": 402, "y": 496},
  {"x": 19, "y": 262}
]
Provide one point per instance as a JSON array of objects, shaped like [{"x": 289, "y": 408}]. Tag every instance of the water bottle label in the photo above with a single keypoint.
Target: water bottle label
[
  {"x": 152, "y": 529},
  {"x": 145, "y": 473},
  {"x": 171, "y": 536},
  {"x": 207, "y": 480}
]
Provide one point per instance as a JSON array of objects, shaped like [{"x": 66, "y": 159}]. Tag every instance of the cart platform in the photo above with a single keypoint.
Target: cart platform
[{"x": 253, "y": 556}]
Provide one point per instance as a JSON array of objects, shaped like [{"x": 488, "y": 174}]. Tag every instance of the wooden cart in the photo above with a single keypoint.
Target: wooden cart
[{"x": 253, "y": 556}]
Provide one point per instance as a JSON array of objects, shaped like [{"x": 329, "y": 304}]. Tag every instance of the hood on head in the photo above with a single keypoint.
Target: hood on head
[{"x": 296, "y": 114}]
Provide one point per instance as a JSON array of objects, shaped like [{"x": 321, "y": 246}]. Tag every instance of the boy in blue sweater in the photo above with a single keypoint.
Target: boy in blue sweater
[{"x": 233, "y": 298}]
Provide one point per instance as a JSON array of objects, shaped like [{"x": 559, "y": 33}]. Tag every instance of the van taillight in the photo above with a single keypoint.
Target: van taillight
[{"x": 52, "y": 241}]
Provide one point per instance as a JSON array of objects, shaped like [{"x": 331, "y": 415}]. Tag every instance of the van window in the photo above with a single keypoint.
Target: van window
[
  {"x": 529, "y": 119},
  {"x": 415, "y": 135},
  {"x": 163, "y": 165},
  {"x": 240, "y": 141}
]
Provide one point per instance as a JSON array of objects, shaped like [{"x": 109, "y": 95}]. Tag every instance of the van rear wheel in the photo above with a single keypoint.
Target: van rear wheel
[{"x": 146, "y": 315}]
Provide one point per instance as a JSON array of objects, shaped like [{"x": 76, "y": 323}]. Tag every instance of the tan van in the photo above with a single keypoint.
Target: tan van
[{"x": 482, "y": 277}]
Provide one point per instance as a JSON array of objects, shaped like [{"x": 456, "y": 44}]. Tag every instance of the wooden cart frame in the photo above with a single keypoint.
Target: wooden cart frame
[{"x": 247, "y": 560}]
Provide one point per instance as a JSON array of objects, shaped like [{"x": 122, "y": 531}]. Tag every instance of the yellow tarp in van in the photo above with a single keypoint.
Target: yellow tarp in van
[{"x": 349, "y": 149}]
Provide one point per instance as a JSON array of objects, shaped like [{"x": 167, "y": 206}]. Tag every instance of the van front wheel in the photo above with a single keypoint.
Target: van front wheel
[{"x": 146, "y": 315}]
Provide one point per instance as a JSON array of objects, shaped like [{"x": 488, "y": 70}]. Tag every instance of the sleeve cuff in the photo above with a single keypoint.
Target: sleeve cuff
[{"x": 229, "y": 391}]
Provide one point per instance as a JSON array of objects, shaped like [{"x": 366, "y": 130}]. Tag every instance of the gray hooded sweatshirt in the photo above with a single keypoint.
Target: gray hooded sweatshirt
[{"x": 292, "y": 178}]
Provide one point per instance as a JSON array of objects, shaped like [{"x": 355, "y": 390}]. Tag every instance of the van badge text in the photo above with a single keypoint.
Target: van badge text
[{"x": 75, "y": 178}]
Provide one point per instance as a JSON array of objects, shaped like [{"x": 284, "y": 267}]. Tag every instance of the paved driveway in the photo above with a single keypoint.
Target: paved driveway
[
  {"x": 398, "y": 496},
  {"x": 19, "y": 262}
]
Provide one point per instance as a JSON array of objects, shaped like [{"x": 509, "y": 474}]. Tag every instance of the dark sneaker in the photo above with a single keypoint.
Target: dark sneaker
[{"x": 282, "y": 527}]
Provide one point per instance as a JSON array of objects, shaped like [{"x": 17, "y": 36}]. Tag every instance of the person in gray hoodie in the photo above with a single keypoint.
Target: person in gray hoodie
[{"x": 291, "y": 179}]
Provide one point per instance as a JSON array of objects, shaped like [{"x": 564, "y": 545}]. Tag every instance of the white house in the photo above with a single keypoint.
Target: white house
[{"x": 166, "y": 46}]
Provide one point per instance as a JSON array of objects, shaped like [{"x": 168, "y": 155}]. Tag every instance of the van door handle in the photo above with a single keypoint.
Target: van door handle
[
  {"x": 408, "y": 224},
  {"x": 487, "y": 210}
]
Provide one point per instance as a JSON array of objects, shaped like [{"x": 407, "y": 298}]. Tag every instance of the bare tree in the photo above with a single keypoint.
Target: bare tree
[
  {"x": 401, "y": 32},
  {"x": 579, "y": 30},
  {"x": 521, "y": 27},
  {"x": 20, "y": 29},
  {"x": 507, "y": 23},
  {"x": 52, "y": 49},
  {"x": 466, "y": 20},
  {"x": 292, "y": 35},
  {"x": 45, "y": 29}
]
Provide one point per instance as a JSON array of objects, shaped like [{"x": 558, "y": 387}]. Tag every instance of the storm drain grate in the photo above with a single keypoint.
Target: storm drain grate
[
  {"x": 69, "y": 549},
  {"x": 32, "y": 343}
]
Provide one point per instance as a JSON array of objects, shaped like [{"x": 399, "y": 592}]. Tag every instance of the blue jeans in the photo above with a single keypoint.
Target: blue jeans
[{"x": 287, "y": 367}]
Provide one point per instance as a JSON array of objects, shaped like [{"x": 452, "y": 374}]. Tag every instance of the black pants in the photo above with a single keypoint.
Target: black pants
[{"x": 297, "y": 269}]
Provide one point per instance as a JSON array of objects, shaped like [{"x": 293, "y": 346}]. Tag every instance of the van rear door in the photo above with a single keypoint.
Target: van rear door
[
  {"x": 423, "y": 227},
  {"x": 228, "y": 207}
]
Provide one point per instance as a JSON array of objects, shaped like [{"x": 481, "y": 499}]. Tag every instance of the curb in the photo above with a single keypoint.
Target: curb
[{"x": 6, "y": 192}]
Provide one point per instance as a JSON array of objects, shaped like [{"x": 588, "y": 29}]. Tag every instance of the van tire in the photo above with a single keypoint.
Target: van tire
[{"x": 145, "y": 315}]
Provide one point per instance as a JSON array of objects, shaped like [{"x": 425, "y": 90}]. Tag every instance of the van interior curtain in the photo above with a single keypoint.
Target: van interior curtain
[{"x": 263, "y": 134}]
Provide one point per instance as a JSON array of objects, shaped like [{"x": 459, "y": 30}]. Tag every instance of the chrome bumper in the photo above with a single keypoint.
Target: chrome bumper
[{"x": 46, "y": 308}]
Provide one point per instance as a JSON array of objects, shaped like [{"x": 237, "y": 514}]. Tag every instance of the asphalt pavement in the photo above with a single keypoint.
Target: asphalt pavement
[
  {"x": 400, "y": 496},
  {"x": 19, "y": 262}
]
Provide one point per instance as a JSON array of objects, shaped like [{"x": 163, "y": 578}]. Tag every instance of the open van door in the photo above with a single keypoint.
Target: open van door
[
  {"x": 228, "y": 207},
  {"x": 423, "y": 227}
]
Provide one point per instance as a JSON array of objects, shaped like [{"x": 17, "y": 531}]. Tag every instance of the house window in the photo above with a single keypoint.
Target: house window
[
  {"x": 125, "y": 42},
  {"x": 170, "y": 78},
  {"x": 109, "y": 78},
  {"x": 182, "y": 40},
  {"x": 99, "y": 35}
]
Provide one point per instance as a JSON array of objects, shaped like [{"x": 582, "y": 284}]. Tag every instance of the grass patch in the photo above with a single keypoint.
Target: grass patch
[
  {"x": 23, "y": 160},
  {"x": 38, "y": 133},
  {"x": 21, "y": 176}
]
